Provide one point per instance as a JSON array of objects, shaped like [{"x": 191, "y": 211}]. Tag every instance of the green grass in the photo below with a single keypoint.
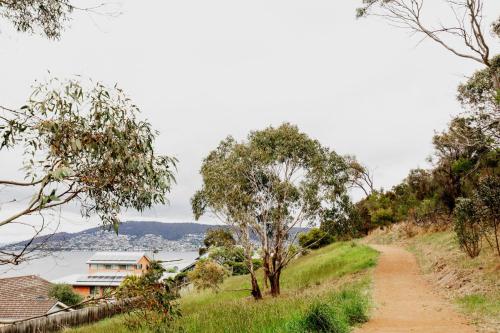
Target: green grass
[
  {"x": 480, "y": 304},
  {"x": 332, "y": 279}
]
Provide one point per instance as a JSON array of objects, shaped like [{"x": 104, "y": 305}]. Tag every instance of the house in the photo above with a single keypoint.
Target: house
[
  {"x": 25, "y": 297},
  {"x": 106, "y": 270}
]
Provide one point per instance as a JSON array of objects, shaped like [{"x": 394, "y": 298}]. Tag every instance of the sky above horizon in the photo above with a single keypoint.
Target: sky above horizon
[{"x": 201, "y": 70}]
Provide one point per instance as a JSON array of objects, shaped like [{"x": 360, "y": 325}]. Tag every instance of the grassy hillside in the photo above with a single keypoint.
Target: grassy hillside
[
  {"x": 331, "y": 282},
  {"x": 473, "y": 285}
]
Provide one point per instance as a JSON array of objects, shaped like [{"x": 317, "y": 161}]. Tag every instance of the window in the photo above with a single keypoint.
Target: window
[
  {"x": 107, "y": 266},
  {"x": 94, "y": 266},
  {"x": 94, "y": 291},
  {"x": 139, "y": 266},
  {"x": 122, "y": 267}
]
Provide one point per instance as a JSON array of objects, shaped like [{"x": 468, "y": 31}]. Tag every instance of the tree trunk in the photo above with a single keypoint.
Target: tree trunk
[
  {"x": 274, "y": 281},
  {"x": 256, "y": 293}
]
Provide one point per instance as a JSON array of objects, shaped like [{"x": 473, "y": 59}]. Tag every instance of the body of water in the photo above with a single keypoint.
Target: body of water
[{"x": 55, "y": 265}]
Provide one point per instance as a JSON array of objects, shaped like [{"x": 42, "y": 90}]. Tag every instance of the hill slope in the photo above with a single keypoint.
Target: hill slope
[{"x": 333, "y": 276}]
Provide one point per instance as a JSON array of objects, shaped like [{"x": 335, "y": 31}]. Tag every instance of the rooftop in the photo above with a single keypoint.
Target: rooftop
[
  {"x": 116, "y": 257},
  {"x": 24, "y": 297}
]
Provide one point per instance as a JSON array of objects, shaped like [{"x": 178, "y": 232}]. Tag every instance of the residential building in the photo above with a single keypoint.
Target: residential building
[
  {"x": 105, "y": 272},
  {"x": 25, "y": 297}
]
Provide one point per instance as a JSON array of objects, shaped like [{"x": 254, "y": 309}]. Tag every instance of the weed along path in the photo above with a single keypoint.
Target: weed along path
[{"x": 405, "y": 302}]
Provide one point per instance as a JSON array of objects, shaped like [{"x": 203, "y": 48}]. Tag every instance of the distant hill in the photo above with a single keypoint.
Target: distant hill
[{"x": 132, "y": 235}]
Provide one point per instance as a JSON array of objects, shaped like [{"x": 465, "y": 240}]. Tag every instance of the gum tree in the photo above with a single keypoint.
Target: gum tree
[
  {"x": 82, "y": 143},
  {"x": 277, "y": 180}
]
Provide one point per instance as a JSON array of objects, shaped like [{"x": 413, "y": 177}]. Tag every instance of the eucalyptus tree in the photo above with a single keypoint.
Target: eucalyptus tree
[
  {"x": 45, "y": 17},
  {"x": 83, "y": 142},
  {"x": 463, "y": 34},
  {"x": 277, "y": 180}
]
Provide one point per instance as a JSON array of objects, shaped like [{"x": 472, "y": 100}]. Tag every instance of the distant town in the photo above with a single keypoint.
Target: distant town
[{"x": 177, "y": 237}]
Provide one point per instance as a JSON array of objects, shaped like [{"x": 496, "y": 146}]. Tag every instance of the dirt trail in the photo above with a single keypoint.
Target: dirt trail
[{"x": 405, "y": 302}]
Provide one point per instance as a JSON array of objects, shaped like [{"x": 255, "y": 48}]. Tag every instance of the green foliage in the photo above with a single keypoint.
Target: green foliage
[
  {"x": 219, "y": 237},
  {"x": 64, "y": 293},
  {"x": 324, "y": 318},
  {"x": 337, "y": 314},
  {"x": 479, "y": 92},
  {"x": 467, "y": 227},
  {"x": 84, "y": 142},
  {"x": 208, "y": 274},
  {"x": 49, "y": 16},
  {"x": 154, "y": 300},
  {"x": 277, "y": 179},
  {"x": 315, "y": 239}
]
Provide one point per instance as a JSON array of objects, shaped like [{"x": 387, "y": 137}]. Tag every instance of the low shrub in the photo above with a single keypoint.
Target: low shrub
[
  {"x": 64, "y": 293},
  {"x": 467, "y": 227}
]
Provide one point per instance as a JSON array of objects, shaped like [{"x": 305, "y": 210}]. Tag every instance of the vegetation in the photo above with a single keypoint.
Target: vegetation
[
  {"x": 335, "y": 273},
  {"x": 277, "y": 180},
  {"x": 153, "y": 299},
  {"x": 463, "y": 182},
  {"x": 84, "y": 143},
  {"x": 208, "y": 274},
  {"x": 314, "y": 239},
  {"x": 64, "y": 293}
]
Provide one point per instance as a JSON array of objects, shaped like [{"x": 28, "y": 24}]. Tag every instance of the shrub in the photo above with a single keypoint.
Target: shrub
[
  {"x": 64, "y": 293},
  {"x": 208, "y": 274},
  {"x": 467, "y": 227},
  {"x": 315, "y": 238},
  {"x": 154, "y": 300},
  {"x": 383, "y": 216},
  {"x": 488, "y": 199}
]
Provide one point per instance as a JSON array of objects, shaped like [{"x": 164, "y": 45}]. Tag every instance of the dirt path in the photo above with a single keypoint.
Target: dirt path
[{"x": 405, "y": 302}]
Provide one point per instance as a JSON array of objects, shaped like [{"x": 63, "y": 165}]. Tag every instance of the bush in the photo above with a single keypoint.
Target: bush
[
  {"x": 467, "y": 227},
  {"x": 315, "y": 238},
  {"x": 208, "y": 274},
  {"x": 383, "y": 217},
  {"x": 154, "y": 300},
  {"x": 64, "y": 293}
]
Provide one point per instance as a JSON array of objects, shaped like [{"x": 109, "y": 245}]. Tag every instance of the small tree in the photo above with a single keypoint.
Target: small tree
[
  {"x": 208, "y": 274},
  {"x": 153, "y": 299},
  {"x": 468, "y": 227},
  {"x": 277, "y": 180},
  {"x": 64, "y": 293}
]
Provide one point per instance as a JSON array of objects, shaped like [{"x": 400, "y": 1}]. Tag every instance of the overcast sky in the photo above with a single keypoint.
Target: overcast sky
[{"x": 203, "y": 69}]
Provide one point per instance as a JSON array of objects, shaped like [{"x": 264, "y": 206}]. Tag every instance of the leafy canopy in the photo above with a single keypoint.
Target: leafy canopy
[{"x": 85, "y": 142}]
